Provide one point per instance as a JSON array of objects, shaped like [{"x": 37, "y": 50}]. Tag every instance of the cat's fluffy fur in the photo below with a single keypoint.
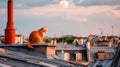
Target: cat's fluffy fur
[{"x": 36, "y": 37}]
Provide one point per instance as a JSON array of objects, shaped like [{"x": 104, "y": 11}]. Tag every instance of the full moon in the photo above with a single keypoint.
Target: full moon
[{"x": 64, "y": 3}]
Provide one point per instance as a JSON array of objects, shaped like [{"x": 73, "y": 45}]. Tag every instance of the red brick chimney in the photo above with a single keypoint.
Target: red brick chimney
[{"x": 10, "y": 30}]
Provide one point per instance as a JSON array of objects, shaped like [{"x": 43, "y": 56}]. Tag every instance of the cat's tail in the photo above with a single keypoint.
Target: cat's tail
[{"x": 28, "y": 44}]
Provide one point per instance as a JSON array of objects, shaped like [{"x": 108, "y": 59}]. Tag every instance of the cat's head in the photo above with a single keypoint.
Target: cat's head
[{"x": 43, "y": 30}]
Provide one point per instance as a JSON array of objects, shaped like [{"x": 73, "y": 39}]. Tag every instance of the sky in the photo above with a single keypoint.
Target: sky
[{"x": 64, "y": 17}]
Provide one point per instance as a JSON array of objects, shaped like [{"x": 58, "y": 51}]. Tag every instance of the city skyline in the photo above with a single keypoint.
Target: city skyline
[{"x": 64, "y": 17}]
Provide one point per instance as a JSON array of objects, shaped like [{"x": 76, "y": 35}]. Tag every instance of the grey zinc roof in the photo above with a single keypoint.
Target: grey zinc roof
[
  {"x": 26, "y": 56},
  {"x": 33, "y": 59},
  {"x": 61, "y": 46},
  {"x": 106, "y": 49},
  {"x": 105, "y": 63},
  {"x": 109, "y": 52},
  {"x": 4, "y": 65}
]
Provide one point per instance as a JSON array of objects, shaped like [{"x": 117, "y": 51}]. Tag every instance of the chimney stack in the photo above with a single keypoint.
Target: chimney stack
[{"x": 10, "y": 30}]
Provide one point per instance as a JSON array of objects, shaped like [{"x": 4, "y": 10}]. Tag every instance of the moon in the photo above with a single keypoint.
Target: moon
[{"x": 64, "y": 3}]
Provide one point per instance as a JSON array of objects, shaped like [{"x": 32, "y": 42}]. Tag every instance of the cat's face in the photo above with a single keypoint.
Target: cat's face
[{"x": 43, "y": 30}]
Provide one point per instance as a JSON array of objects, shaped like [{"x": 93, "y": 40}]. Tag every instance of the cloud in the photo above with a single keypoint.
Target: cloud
[
  {"x": 96, "y": 2},
  {"x": 117, "y": 7},
  {"x": 116, "y": 13},
  {"x": 64, "y": 3},
  {"x": 3, "y": 11},
  {"x": 76, "y": 19},
  {"x": 116, "y": 10},
  {"x": 36, "y": 3},
  {"x": 3, "y": 4},
  {"x": 72, "y": 13},
  {"x": 53, "y": 10},
  {"x": 23, "y": 4},
  {"x": 2, "y": 0}
]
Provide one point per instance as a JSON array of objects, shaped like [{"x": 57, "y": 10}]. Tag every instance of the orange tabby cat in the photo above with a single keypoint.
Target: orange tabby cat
[{"x": 36, "y": 37}]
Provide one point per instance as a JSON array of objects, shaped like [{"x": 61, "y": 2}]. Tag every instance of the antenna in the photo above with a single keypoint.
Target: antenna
[{"x": 112, "y": 30}]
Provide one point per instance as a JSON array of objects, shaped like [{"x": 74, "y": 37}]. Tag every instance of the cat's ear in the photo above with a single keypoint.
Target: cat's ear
[{"x": 43, "y": 28}]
